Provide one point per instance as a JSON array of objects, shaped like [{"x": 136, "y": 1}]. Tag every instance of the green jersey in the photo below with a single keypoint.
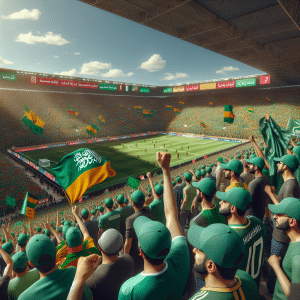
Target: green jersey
[
  {"x": 169, "y": 283},
  {"x": 158, "y": 211},
  {"x": 191, "y": 193},
  {"x": 111, "y": 219},
  {"x": 291, "y": 268},
  {"x": 244, "y": 289},
  {"x": 19, "y": 284},
  {"x": 208, "y": 216},
  {"x": 254, "y": 235}
]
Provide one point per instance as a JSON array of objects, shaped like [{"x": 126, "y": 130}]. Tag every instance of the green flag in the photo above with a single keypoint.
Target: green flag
[
  {"x": 132, "y": 182},
  {"x": 28, "y": 208},
  {"x": 277, "y": 140},
  {"x": 80, "y": 170},
  {"x": 294, "y": 127}
]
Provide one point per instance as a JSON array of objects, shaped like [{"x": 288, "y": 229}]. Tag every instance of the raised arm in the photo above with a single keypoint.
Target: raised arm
[
  {"x": 258, "y": 152},
  {"x": 152, "y": 185},
  {"x": 170, "y": 207},
  {"x": 54, "y": 232},
  {"x": 9, "y": 262},
  {"x": 83, "y": 229},
  {"x": 57, "y": 221}
]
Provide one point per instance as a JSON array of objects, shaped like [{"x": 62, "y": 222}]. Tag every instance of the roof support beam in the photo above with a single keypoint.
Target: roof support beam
[{"x": 292, "y": 9}]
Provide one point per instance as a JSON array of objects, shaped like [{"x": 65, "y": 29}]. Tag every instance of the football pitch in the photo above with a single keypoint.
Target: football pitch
[{"x": 135, "y": 156}]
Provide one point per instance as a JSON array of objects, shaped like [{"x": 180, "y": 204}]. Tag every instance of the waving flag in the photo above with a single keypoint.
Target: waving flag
[
  {"x": 92, "y": 129},
  {"x": 228, "y": 114},
  {"x": 169, "y": 107},
  {"x": 250, "y": 110},
  {"x": 122, "y": 121},
  {"x": 72, "y": 111},
  {"x": 139, "y": 108},
  {"x": 101, "y": 119},
  {"x": 202, "y": 124},
  {"x": 28, "y": 208},
  {"x": 147, "y": 113},
  {"x": 177, "y": 111},
  {"x": 80, "y": 170},
  {"x": 153, "y": 111},
  {"x": 10, "y": 201},
  {"x": 33, "y": 122},
  {"x": 180, "y": 102}
]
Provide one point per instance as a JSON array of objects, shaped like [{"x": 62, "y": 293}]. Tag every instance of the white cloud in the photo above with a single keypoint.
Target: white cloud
[
  {"x": 129, "y": 74},
  {"x": 93, "y": 67},
  {"x": 69, "y": 73},
  {"x": 49, "y": 38},
  {"x": 5, "y": 62},
  {"x": 170, "y": 76},
  {"x": 154, "y": 63},
  {"x": 227, "y": 69},
  {"x": 24, "y": 14},
  {"x": 56, "y": 56},
  {"x": 114, "y": 73},
  {"x": 77, "y": 53}
]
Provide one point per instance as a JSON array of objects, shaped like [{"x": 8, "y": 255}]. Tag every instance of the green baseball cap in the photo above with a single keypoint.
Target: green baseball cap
[
  {"x": 3, "y": 240},
  {"x": 161, "y": 182},
  {"x": 100, "y": 208},
  {"x": 153, "y": 236},
  {"x": 20, "y": 260},
  {"x": 8, "y": 247},
  {"x": 173, "y": 183},
  {"x": 208, "y": 169},
  {"x": 289, "y": 206},
  {"x": 238, "y": 197},
  {"x": 67, "y": 223},
  {"x": 290, "y": 147},
  {"x": 297, "y": 152},
  {"x": 211, "y": 164},
  {"x": 188, "y": 176},
  {"x": 74, "y": 224},
  {"x": 38, "y": 229},
  {"x": 206, "y": 185},
  {"x": 65, "y": 229},
  {"x": 47, "y": 232},
  {"x": 220, "y": 159},
  {"x": 93, "y": 212},
  {"x": 73, "y": 237},
  {"x": 203, "y": 166},
  {"x": 109, "y": 202},
  {"x": 234, "y": 165},
  {"x": 125, "y": 201},
  {"x": 298, "y": 144},
  {"x": 198, "y": 174},
  {"x": 37, "y": 246},
  {"x": 203, "y": 172},
  {"x": 178, "y": 179},
  {"x": 60, "y": 228},
  {"x": 159, "y": 189},
  {"x": 120, "y": 199},
  {"x": 225, "y": 159},
  {"x": 84, "y": 213},
  {"x": 257, "y": 161},
  {"x": 219, "y": 242},
  {"x": 13, "y": 234},
  {"x": 138, "y": 196},
  {"x": 238, "y": 155},
  {"x": 51, "y": 223},
  {"x": 231, "y": 156},
  {"x": 291, "y": 161},
  {"x": 22, "y": 239}
]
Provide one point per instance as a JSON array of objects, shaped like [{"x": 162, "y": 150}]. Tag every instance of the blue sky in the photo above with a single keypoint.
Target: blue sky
[{"x": 74, "y": 39}]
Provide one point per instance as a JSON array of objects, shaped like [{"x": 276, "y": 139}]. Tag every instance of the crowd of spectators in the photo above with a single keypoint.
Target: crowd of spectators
[{"x": 212, "y": 231}]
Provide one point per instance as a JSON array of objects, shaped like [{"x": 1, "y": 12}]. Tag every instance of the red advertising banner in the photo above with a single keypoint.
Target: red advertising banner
[
  {"x": 63, "y": 82},
  {"x": 25, "y": 149},
  {"x": 193, "y": 87},
  {"x": 50, "y": 176},
  {"x": 226, "y": 84},
  {"x": 266, "y": 79},
  {"x": 120, "y": 87},
  {"x": 72, "y": 143}
]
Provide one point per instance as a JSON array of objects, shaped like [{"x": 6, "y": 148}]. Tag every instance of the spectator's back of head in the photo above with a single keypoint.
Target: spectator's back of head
[
  {"x": 111, "y": 242},
  {"x": 138, "y": 199}
]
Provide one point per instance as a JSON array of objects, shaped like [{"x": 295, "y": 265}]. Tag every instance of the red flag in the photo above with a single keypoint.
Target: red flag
[
  {"x": 193, "y": 161},
  {"x": 80, "y": 200},
  {"x": 205, "y": 156}
]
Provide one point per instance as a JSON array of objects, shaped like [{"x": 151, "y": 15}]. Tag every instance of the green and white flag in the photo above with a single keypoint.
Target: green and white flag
[{"x": 294, "y": 127}]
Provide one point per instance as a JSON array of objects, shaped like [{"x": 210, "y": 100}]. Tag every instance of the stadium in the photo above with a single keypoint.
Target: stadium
[{"x": 48, "y": 116}]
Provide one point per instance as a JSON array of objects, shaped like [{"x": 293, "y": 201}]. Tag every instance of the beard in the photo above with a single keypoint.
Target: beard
[
  {"x": 198, "y": 198},
  {"x": 225, "y": 211},
  {"x": 279, "y": 171},
  {"x": 283, "y": 226},
  {"x": 200, "y": 269},
  {"x": 251, "y": 170},
  {"x": 227, "y": 175}
]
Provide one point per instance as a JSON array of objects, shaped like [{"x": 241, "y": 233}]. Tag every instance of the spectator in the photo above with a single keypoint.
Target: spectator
[
  {"x": 257, "y": 188},
  {"x": 106, "y": 281},
  {"x": 178, "y": 189},
  {"x": 233, "y": 206},
  {"x": 246, "y": 175},
  {"x": 219, "y": 251},
  {"x": 164, "y": 251},
  {"x": 232, "y": 171},
  {"x": 209, "y": 174},
  {"x": 111, "y": 219},
  {"x": 7, "y": 274},
  {"x": 221, "y": 182},
  {"x": 24, "y": 277},
  {"x": 22, "y": 241},
  {"x": 131, "y": 242},
  {"x": 53, "y": 283},
  {"x": 94, "y": 215},
  {"x": 290, "y": 188},
  {"x": 287, "y": 218}
]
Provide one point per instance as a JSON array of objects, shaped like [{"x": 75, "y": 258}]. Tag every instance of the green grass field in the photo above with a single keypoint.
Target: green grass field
[{"x": 129, "y": 158}]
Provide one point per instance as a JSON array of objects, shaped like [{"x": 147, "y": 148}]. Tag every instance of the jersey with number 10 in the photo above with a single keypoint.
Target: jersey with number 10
[{"x": 254, "y": 235}]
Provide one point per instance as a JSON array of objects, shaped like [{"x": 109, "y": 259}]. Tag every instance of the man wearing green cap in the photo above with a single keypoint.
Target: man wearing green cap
[
  {"x": 246, "y": 175},
  {"x": 257, "y": 188},
  {"x": 178, "y": 189},
  {"x": 221, "y": 182},
  {"x": 189, "y": 193},
  {"x": 233, "y": 206},
  {"x": 286, "y": 166},
  {"x": 164, "y": 251},
  {"x": 24, "y": 277},
  {"x": 53, "y": 283},
  {"x": 287, "y": 218},
  {"x": 219, "y": 251},
  {"x": 232, "y": 171},
  {"x": 209, "y": 174},
  {"x": 111, "y": 219},
  {"x": 22, "y": 241},
  {"x": 131, "y": 242},
  {"x": 206, "y": 189}
]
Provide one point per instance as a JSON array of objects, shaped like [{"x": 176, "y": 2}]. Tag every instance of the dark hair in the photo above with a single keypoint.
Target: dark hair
[
  {"x": 19, "y": 270},
  {"x": 210, "y": 198},
  {"x": 290, "y": 170},
  {"x": 139, "y": 204},
  {"x": 22, "y": 245},
  {"x": 157, "y": 262},
  {"x": 240, "y": 212},
  {"x": 47, "y": 266},
  {"x": 298, "y": 224},
  {"x": 110, "y": 254},
  {"x": 229, "y": 273}
]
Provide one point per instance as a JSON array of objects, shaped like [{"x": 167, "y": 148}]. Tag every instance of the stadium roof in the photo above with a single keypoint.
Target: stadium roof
[{"x": 262, "y": 34}]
